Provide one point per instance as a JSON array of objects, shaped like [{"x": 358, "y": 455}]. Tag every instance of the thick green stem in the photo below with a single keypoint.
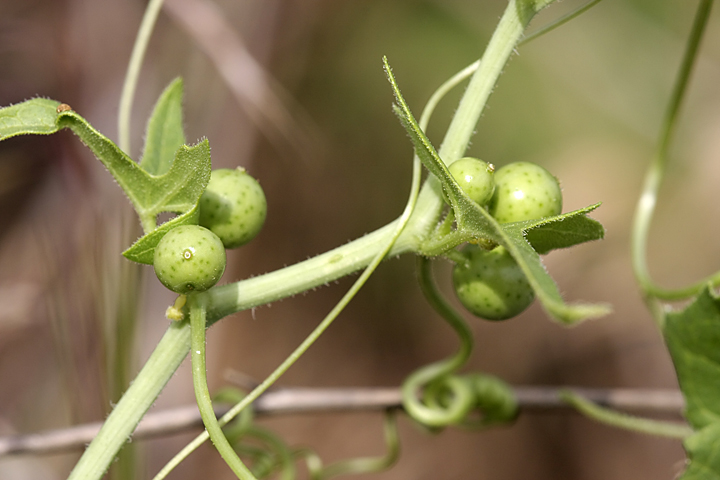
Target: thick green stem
[
  {"x": 507, "y": 34},
  {"x": 121, "y": 422},
  {"x": 504, "y": 39}
]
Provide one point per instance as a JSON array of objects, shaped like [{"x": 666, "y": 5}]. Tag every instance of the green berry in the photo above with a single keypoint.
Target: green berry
[
  {"x": 475, "y": 177},
  {"x": 524, "y": 191},
  {"x": 189, "y": 258},
  {"x": 491, "y": 284},
  {"x": 233, "y": 206}
]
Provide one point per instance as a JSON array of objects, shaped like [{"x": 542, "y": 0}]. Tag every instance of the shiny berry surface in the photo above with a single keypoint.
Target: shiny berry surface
[
  {"x": 189, "y": 258},
  {"x": 524, "y": 191},
  {"x": 475, "y": 177}
]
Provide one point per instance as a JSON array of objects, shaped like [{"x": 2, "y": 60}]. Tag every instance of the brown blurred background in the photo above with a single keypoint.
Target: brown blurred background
[{"x": 585, "y": 101}]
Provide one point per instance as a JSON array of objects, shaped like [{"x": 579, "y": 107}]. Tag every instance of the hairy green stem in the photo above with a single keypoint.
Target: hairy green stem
[
  {"x": 159, "y": 368},
  {"x": 506, "y": 36},
  {"x": 560, "y": 21},
  {"x": 654, "y": 177}
]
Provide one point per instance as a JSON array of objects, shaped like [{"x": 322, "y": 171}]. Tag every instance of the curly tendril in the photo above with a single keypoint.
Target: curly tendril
[
  {"x": 435, "y": 397},
  {"x": 267, "y": 454}
]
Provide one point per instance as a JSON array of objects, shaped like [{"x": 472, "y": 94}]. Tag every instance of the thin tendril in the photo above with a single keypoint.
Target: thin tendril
[
  {"x": 653, "y": 179},
  {"x": 365, "y": 464},
  {"x": 560, "y": 21},
  {"x": 622, "y": 420},
  {"x": 133, "y": 72},
  {"x": 462, "y": 394}
]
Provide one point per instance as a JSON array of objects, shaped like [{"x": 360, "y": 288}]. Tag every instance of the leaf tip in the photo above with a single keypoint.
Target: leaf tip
[{"x": 574, "y": 314}]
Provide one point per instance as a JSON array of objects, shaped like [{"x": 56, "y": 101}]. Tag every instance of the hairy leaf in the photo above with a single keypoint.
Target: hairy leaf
[
  {"x": 704, "y": 454},
  {"x": 36, "y": 116},
  {"x": 561, "y": 231},
  {"x": 177, "y": 191},
  {"x": 476, "y": 222},
  {"x": 164, "y": 134},
  {"x": 693, "y": 339}
]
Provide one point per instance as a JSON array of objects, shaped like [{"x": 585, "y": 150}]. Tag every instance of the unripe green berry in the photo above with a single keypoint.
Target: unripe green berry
[
  {"x": 475, "y": 177},
  {"x": 491, "y": 284},
  {"x": 524, "y": 191},
  {"x": 189, "y": 258},
  {"x": 233, "y": 206}
]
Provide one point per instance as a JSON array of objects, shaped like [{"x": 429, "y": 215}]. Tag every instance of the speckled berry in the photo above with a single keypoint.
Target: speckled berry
[
  {"x": 524, "y": 191},
  {"x": 233, "y": 206},
  {"x": 475, "y": 177},
  {"x": 189, "y": 258},
  {"x": 491, "y": 285}
]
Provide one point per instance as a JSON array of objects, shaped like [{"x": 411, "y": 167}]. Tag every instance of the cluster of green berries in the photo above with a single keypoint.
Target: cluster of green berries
[
  {"x": 191, "y": 258},
  {"x": 490, "y": 283}
]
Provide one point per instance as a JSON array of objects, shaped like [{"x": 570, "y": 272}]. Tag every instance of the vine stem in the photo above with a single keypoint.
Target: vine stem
[
  {"x": 654, "y": 177},
  {"x": 224, "y": 300},
  {"x": 202, "y": 393}
]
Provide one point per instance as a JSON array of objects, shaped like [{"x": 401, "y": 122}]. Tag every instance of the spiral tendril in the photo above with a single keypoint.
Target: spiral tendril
[{"x": 435, "y": 396}]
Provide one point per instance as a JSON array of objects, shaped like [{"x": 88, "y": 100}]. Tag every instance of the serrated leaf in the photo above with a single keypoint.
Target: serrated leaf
[
  {"x": 563, "y": 231},
  {"x": 693, "y": 339},
  {"x": 703, "y": 450},
  {"x": 164, "y": 133},
  {"x": 36, "y": 116},
  {"x": 177, "y": 191},
  {"x": 476, "y": 222}
]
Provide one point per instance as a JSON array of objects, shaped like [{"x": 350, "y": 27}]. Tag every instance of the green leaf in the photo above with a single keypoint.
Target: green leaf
[
  {"x": 176, "y": 191},
  {"x": 36, "y": 116},
  {"x": 704, "y": 454},
  {"x": 475, "y": 222},
  {"x": 562, "y": 231},
  {"x": 693, "y": 339},
  {"x": 143, "y": 250},
  {"x": 164, "y": 134}
]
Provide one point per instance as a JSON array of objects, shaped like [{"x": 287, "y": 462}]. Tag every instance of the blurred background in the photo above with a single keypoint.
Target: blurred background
[{"x": 308, "y": 114}]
